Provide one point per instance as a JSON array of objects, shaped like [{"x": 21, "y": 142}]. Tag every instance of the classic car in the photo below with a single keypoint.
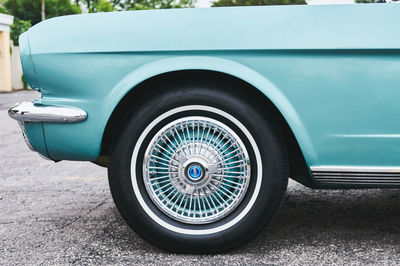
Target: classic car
[{"x": 202, "y": 115}]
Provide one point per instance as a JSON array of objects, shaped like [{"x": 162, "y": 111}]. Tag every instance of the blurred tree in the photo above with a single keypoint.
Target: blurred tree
[
  {"x": 151, "y": 4},
  {"x": 43, "y": 7},
  {"x": 93, "y": 6},
  {"x": 101, "y": 6},
  {"x": 17, "y": 28},
  {"x": 31, "y": 9},
  {"x": 257, "y": 2},
  {"x": 29, "y": 12}
]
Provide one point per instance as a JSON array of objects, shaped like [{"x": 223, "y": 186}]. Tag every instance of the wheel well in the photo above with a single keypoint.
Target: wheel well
[{"x": 297, "y": 165}]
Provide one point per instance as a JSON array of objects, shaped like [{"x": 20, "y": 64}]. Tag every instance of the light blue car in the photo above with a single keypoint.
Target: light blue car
[{"x": 201, "y": 115}]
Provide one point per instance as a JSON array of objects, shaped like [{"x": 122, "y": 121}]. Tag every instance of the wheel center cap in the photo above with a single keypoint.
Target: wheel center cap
[{"x": 194, "y": 172}]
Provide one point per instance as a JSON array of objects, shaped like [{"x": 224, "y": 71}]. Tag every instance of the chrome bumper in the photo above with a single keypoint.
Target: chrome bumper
[
  {"x": 27, "y": 112},
  {"x": 37, "y": 113}
]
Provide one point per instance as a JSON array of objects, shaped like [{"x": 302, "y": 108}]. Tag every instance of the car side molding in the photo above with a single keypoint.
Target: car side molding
[{"x": 386, "y": 176}]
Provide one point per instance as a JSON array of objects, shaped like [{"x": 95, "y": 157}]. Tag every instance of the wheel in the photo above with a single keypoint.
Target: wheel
[{"x": 198, "y": 168}]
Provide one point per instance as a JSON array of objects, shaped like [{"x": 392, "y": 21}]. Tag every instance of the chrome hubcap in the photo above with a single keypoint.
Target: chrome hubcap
[{"x": 196, "y": 170}]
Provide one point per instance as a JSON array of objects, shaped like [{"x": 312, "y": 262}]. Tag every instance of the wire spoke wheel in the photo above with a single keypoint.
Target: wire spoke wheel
[{"x": 196, "y": 170}]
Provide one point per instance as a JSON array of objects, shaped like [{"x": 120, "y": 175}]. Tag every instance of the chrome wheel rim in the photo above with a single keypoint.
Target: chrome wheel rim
[{"x": 196, "y": 170}]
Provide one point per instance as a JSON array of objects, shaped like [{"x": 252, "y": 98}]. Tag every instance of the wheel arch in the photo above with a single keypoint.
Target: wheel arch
[{"x": 296, "y": 139}]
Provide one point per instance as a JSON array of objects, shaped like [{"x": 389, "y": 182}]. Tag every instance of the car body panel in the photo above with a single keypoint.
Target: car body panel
[
  {"x": 230, "y": 28},
  {"x": 34, "y": 132},
  {"x": 334, "y": 82}
]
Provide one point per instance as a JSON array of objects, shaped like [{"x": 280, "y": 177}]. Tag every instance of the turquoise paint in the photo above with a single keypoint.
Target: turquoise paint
[
  {"x": 373, "y": 26},
  {"x": 335, "y": 83},
  {"x": 26, "y": 60},
  {"x": 34, "y": 132}
]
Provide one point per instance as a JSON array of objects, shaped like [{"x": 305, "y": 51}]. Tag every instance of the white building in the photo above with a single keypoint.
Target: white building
[{"x": 5, "y": 54}]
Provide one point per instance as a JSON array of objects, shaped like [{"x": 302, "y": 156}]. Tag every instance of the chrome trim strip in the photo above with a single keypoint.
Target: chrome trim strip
[
  {"x": 31, "y": 112},
  {"x": 349, "y": 169},
  {"x": 357, "y": 175}
]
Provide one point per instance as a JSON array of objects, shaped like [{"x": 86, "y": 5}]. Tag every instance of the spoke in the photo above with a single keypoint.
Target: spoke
[
  {"x": 180, "y": 140},
  {"x": 222, "y": 152},
  {"x": 162, "y": 163},
  {"x": 233, "y": 172},
  {"x": 182, "y": 127},
  {"x": 187, "y": 130},
  {"x": 223, "y": 137},
  {"x": 177, "y": 193},
  {"x": 159, "y": 158},
  {"x": 158, "y": 167},
  {"x": 166, "y": 143},
  {"x": 167, "y": 172},
  {"x": 220, "y": 149},
  {"x": 158, "y": 189},
  {"x": 159, "y": 177},
  {"x": 162, "y": 182},
  {"x": 218, "y": 189},
  {"x": 184, "y": 207},
  {"x": 201, "y": 140},
  {"x": 231, "y": 167},
  {"x": 206, "y": 198},
  {"x": 239, "y": 161},
  {"x": 173, "y": 190},
  {"x": 227, "y": 191},
  {"x": 190, "y": 204},
  {"x": 172, "y": 143},
  {"x": 180, "y": 203},
  {"x": 227, "y": 180},
  {"x": 224, "y": 184},
  {"x": 169, "y": 157},
  {"x": 208, "y": 146},
  {"x": 204, "y": 208},
  {"x": 230, "y": 176},
  {"x": 195, "y": 201},
  {"x": 216, "y": 139},
  {"x": 198, "y": 133},
  {"x": 194, "y": 142},
  {"x": 224, "y": 156},
  {"x": 222, "y": 199},
  {"x": 205, "y": 140}
]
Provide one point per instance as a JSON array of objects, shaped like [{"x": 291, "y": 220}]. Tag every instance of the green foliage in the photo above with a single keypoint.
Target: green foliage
[
  {"x": 19, "y": 27},
  {"x": 151, "y": 4},
  {"x": 28, "y": 12},
  {"x": 93, "y": 6},
  {"x": 31, "y": 9},
  {"x": 101, "y": 6},
  {"x": 2, "y": 8},
  {"x": 220, "y": 3}
]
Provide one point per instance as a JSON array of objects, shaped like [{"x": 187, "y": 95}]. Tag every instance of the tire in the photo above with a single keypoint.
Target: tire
[{"x": 218, "y": 202}]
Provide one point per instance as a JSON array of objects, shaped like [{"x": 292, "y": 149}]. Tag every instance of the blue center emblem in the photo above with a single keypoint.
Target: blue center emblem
[{"x": 195, "y": 172}]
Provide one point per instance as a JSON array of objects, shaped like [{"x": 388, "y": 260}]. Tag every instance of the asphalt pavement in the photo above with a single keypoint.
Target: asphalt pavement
[{"x": 63, "y": 213}]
